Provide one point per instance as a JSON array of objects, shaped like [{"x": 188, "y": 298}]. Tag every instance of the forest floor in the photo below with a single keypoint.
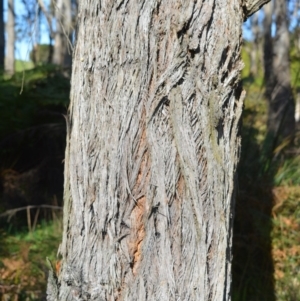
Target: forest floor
[
  {"x": 23, "y": 265},
  {"x": 266, "y": 243}
]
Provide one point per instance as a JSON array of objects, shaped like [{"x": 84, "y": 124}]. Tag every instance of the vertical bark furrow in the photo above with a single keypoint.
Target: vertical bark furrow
[{"x": 152, "y": 151}]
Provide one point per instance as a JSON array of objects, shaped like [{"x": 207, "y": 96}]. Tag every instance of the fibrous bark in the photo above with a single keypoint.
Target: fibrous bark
[{"x": 152, "y": 151}]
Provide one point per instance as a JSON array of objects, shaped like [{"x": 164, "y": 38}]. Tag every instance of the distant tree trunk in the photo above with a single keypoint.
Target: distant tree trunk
[
  {"x": 2, "y": 42},
  {"x": 281, "y": 120},
  {"x": 268, "y": 49},
  {"x": 49, "y": 19},
  {"x": 10, "y": 41},
  {"x": 255, "y": 49},
  {"x": 62, "y": 54},
  {"x": 152, "y": 151}
]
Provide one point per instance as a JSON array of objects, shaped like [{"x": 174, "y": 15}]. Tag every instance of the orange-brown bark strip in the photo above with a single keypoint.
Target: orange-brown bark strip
[{"x": 138, "y": 216}]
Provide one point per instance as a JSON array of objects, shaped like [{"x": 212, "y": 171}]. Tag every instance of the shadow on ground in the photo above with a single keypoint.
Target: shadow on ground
[{"x": 253, "y": 269}]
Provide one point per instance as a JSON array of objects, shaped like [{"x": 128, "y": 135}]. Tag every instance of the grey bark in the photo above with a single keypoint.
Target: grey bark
[
  {"x": 2, "y": 41},
  {"x": 152, "y": 149},
  {"x": 10, "y": 40},
  {"x": 281, "y": 120},
  {"x": 62, "y": 53}
]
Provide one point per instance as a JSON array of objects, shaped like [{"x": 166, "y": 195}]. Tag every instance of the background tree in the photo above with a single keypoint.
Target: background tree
[
  {"x": 152, "y": 151},
  {"x": 255, "y": 49},
  {"x": 10, "y": 39},
  {"x": 49, "y": 19},
  {"x": 2, "y": 42},
  {"x": 281, "y": 120},
  {"x": 268, "y": 49},
  {"x": 63, "y": 33}
]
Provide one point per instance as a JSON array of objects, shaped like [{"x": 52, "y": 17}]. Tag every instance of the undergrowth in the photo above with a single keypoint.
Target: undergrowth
[
  {"x": 266, "y": 244},
  {"x": 32, "y": 142},
  {"x": 23, "y": 266}
]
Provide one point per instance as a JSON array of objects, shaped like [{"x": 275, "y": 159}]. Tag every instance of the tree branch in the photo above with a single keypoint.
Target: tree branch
[
  {"x": 252, "y": 6},
  {"x": 12, "y": 212},
  {"x": 47, "y": 15}
]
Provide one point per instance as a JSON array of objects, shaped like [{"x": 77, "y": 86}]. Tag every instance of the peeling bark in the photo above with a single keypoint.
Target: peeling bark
[{"x": 152, "y": 151}]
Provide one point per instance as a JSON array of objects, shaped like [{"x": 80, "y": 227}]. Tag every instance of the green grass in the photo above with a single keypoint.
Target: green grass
[
  {"x": 23, "y": 65},
  {"x": 23, "y": 266},
  {"x": 286, "y": 244}
]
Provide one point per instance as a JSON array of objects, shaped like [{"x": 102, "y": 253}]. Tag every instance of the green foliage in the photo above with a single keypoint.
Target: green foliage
[
  {"x": 24, "y": 96},
  {"x": 31, "y": 106},
  {"x": 256, "y": 79},
  {"x": 295, "y": 68},
  {"x": 23, "y": 266},
  {"x": 288, "y": 173}
]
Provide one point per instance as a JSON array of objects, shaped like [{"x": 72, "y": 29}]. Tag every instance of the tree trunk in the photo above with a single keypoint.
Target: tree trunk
[
  {"x": 255, "y": 49},
  {"x": 63, "y": 34},
  {"x": 268, "y": 49},
  {"x": 281, "y": 116},
  {"x": 152, "y": 150},
  {"x": 2, "y": 41},
  {"x": 10, "y": 41}
]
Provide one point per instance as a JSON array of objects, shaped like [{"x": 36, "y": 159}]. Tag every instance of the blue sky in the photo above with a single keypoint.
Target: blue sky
[{"x": 25, "y": 41}]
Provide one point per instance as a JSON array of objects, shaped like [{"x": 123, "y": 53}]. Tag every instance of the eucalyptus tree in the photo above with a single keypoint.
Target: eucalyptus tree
[{"x": 152, "y": 148}]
